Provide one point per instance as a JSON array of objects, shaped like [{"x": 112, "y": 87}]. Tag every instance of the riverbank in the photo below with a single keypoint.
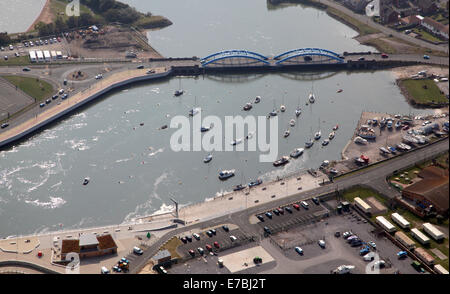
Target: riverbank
[
  {"x": 114, "y": 81},
  {"x": 45, "y": 16}
]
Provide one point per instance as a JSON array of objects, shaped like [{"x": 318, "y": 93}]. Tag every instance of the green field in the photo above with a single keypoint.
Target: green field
[
  {"x": 36, "y": 88},
  {"x": 362, "y": 28},
  {"x": 416, "y": 91},
  {"x": 427, "y": 36},
  {"x": 12, "y": 60}
]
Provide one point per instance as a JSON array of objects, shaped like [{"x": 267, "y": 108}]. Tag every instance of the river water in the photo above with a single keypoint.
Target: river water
[
  {"x": 17, "y": 15},
  {"x": 132, "y": 168}
]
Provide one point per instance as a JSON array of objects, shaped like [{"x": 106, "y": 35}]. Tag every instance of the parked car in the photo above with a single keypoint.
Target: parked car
[
  {"x": 347, "y": 234},
  {"x": 216, "y": 244},
  {"x": 288, "y": 209},
  {"x": 5, "y": 125},
  {"x": 296, "y": 206},
  {"x": 379, "y": 264},
  {"x": 364, "y": 251},
  {"x": 233, "y": 238},
  {"x": 116, "y": 269},
  {"x": 48, "y": 101},
  {"x": 140, "y": 66},
  {"x": 402, "y": 254},
  {"x": 426, "y": 57},
  {"x": 137, "y": 250},
  {"x": 337, "y": 234},
  {"x": 225, "y": 228},
  {"x": 200, "y": 250},
  {"x": 213, "y": 231},
  {"x": 104, "y": 270},
  {"x": 208, "y": 247},
  {"x": 305, "y": 204},
  {"x": 209, "y": 233},
  {"x": 192, "y": 253},
  {"x": 267, "y": 230},
  {"x": 183, "y": 239},
  {"x": 196, "y": 236},
  {"x": 373, "y": 245},
  {"x": 315, "y": 200},
  {"x": 384, "y": 55},
  {"x": 280, "y": 210},
  {"x": 260, "y": 217},
  {"x": 361, "y": 59},
  {"x": 299, "y": 250},
  {"x": 42, "y": 105},
  {"x": 276, "y": 212},
  {"x": 369, "y": 256},
  {"x": 26, "y": 69},
  {"x": 268, "y": 214},
  {"x": 321, "y": 243}
]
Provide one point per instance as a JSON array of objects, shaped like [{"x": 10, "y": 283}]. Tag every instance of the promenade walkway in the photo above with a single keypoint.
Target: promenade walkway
[{"x": 103, "y": 86}]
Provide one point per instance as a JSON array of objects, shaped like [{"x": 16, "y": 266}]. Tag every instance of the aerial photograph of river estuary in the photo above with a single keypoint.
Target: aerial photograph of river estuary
[{"x": 224, "y": 137}]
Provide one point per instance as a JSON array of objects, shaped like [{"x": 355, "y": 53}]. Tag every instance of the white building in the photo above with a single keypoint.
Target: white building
[
  {"x": 33, "y": 56},
  {"x": 53, "y": 54},
  {"x": 424, "y": 240},
  {"x": 40, "y": 56},
  {"x": 433, "y": 232},
  {"x": 385, "y": 224},
  {"x": 400, "y": 220},
  {"x": 361, "y": 204},
  {"x": 47, "y": 56}
]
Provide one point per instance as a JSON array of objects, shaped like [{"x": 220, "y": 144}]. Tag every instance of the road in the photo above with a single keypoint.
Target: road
[
  {"x": 368, "y": 176},
  {"x": 387, "y": 31}
]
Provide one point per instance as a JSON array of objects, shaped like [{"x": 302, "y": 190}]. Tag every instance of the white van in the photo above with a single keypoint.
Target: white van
[
  {"x": 105, "y": 270},
  {"x": 233, "y": 238}
]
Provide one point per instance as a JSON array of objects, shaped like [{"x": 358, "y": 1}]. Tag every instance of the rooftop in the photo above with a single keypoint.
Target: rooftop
[{"x": 106, "y": 242}]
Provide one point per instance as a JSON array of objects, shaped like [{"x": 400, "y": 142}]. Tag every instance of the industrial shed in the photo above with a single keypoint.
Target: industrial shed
[{"x": 432, "y": 190}]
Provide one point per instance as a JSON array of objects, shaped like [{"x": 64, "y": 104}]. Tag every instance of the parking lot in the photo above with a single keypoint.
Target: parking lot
[
  {"x": 285, "y": 220},
  {"x": 337, "y": 251},
  {"x": 221, "y": 237}
]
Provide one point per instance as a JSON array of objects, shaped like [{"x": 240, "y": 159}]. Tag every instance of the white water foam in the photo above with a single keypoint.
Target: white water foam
[{"x": 55, "y": 202}]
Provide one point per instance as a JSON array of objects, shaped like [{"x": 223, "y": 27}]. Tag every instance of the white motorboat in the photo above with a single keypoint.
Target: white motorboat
[
  {"x": 292, "y": 122},
  {"x": 331, "y": 135},
  {"x": 359, "y": 140},
  {"x": 287, "y": 133},
  {"x": 297, "y": 152},
  {"x": 282, "y": 108},
  {"x": 226, "y": 174},
  {"x": 317, "y": 135}
]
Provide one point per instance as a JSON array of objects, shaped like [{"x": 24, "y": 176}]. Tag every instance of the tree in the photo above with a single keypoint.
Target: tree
[{"x": 4, "y": 39}]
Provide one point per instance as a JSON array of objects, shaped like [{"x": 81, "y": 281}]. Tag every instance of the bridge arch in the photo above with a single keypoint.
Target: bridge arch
[
  {"x": 234, "y": 58},
  {"x": 314, "y": 53}
]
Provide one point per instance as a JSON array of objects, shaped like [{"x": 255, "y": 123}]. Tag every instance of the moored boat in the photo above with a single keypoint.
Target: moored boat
[
  {"x": 226, "y": 174},
  {"x": 258, "y": 99},
  {"x": 317, "y": 135},
  {"x": 309, "y": 144},
  {"x": 208, "y": 158},
  {"x": 194, "y": 111},
  {"x": 286, "y": 133},
  {"x": 86, "y": 181},
  {"x": 255, "y": 183},
  {"x": 292, "y": 122},
  {"x": 282, "y": 161},
  {"x": 325, "y": 142},
  {"x": 297, "y": 152},
  {"x": 247, "y": 106},
  {"x": 331, "y": 135},
  {"x": 239, "y": 187}
]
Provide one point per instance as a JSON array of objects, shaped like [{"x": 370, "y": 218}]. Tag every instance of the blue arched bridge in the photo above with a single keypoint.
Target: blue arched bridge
[
  {"x": 244, "y": 58},
  {"x": 233, "y": 58}
]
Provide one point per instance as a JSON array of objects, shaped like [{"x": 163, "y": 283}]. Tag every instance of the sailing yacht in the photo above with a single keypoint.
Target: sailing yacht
[
  {"x": 194, "y": 110},
  {"x": 318, "y": 134},
  {"x": 179, "y": 92}
]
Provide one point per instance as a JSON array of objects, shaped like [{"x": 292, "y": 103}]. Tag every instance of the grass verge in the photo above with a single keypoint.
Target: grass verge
[
  {"x": 36, "y": 88},
  {"x": 422, "y": 91},
  {"x": 172, "y": 246}
]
